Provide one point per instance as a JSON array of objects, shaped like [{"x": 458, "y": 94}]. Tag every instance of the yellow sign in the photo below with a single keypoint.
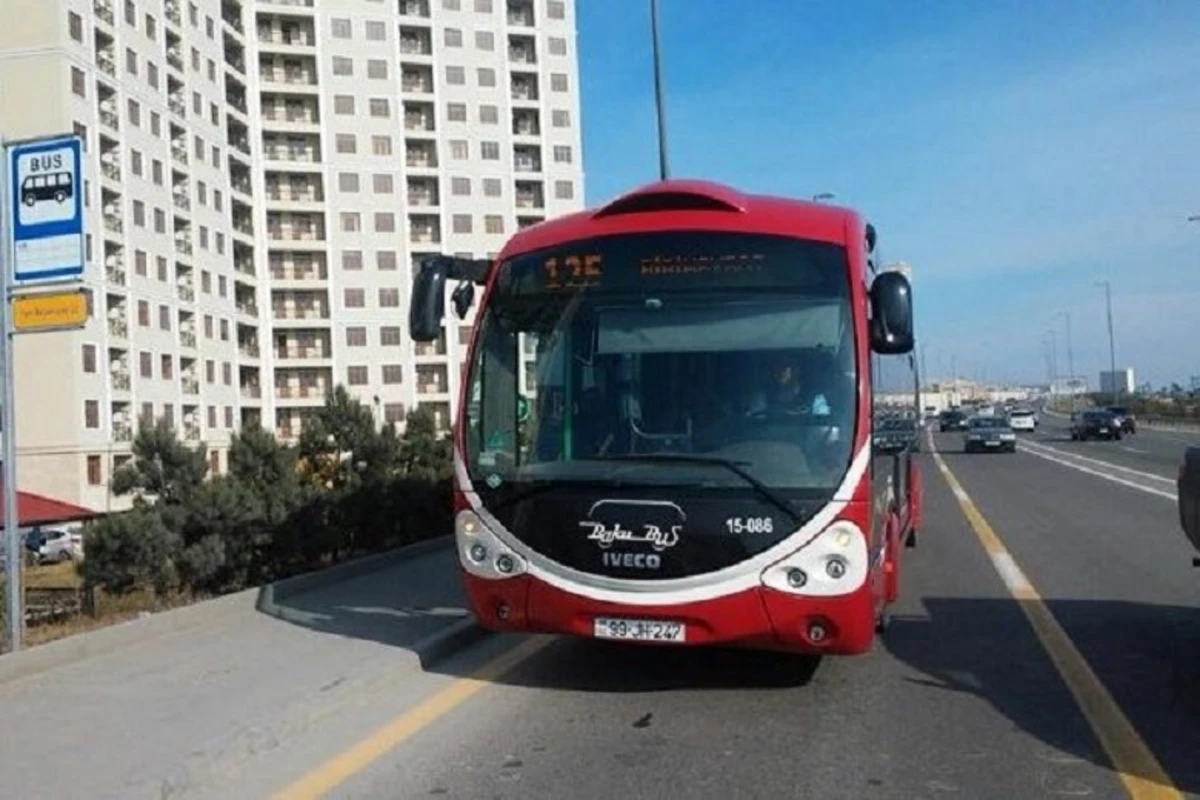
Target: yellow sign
[{"x": 50, "y": 311}]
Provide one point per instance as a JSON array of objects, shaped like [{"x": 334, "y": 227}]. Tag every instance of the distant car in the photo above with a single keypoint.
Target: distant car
[
  {"x": 1095, "y": 424},
  {"x": 986, "y": 434},
  {"x": 1123, "y": 415},
  {"x": 1022, "y": 419},
  {"x": 952, "y": 420},
  {"x": 896, "y": 433},
  {"x": 61, "y": 544}
]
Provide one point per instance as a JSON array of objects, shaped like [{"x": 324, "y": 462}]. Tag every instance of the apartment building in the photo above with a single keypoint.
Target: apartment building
[{"x": 261, "y": 178}]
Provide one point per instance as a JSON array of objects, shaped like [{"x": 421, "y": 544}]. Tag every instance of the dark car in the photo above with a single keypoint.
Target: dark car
[
  {"x": 1125, "y": 417},
  {"x": 990, "y": 433},
  {"x": 953, "y": 420},
  {"x": 1095, "y": 424},
  {"x": 896, "y": 433},
  {"x": 1188, "y": 487}
]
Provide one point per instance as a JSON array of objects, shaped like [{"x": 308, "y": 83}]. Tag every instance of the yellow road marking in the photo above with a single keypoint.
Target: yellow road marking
[
  {"x": 1141, "y": 773},
  {"x": 343, "y": 766}
]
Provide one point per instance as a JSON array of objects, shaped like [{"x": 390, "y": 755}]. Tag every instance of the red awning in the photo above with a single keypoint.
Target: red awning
[{"x": 37, "y": 509}]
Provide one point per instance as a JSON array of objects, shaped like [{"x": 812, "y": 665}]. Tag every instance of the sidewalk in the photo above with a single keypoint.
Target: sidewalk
[{"x": 236, "y": 703}]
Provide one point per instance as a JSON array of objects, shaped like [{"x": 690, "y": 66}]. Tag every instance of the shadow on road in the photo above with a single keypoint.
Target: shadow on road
[
  {"x": 1147, "y": 657},
  {"x": 611, "y": 667}
]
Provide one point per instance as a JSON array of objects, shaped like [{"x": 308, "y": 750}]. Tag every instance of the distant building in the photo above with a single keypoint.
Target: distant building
[
  {"x": 1069, "y": 386},
  {"x": 1119, "y": 381}
]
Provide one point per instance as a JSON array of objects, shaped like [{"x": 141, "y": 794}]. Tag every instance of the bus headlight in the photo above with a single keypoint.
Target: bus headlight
[
  {"x": 481, "y": 552},
  {"x": 833, "y": 563}
]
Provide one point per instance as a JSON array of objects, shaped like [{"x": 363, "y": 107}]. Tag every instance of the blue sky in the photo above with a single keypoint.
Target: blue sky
[{"x": 1013, "y": 153}]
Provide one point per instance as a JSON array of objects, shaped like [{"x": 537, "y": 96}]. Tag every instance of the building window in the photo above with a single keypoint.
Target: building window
[
  {"x": 393, "y": 373},
  {"x": 485, "y": 40},
  {"x": 340, "y": 28},
  {"x": 389, "y": 336},
  {"x": 558, "y": 82},
  {"x": 562, "y": 154},
  {"x": 352, "y": 260},
  {"x": 91, "y": 414},
  {"x": 89, "y": 358},
  {"x": 377, "y": 69},
  {"x": 460, "y": 187},
  {"x": 351, "y": 222},
  {"x": 557, "y": 46},
  {"x": 343, "y": 66},
  {"x": 556, "y": 9},
  {"x": 75, "y": 26},
  {"x": 493, "y": 223},
  {"x": 381, "y": 145},
  {"x": 483, "y": 6},
  {"x": 560, "y": 118},
  {"x": 393, "y": 413},
  {"x": 385, "y": 222},
  {"x": 380, "y": 107},
  {"x": 382, "y": 184},
  {"x": 458, "y": 149},
  {"x": 348, "y": 182},
  {"x": 492, "y": 187},
  {"x": 356, "y": 375},
  {"x": 145, "y": 365},
  {"x": 167, "y": 367},
  {"x": 489, "y": 115},
  {"x": 356, "y": 337},
  {"x": 385, "y": 260},
  {"x": 456, "y": 76},
  {"x": 489, "y": 151},
  {"x": 354, "y": 298},
  {"x": 376, "y": 31},
  {"x": 486, "y": 76},
  {"x": 453, "y": 37},
  {"x": 389, "y": 298},
  {"x": 456, "y": 112},
  {"x": 343, "y": 104},
  {"x": 461, "y": 223},
  {"x": 143, "y": 313},
  {"x": 564, "y": 190},
  {"x": 346, "y": 142},
  {"x": 78, "y": 82},
  {"x": 94, "y": 476}
]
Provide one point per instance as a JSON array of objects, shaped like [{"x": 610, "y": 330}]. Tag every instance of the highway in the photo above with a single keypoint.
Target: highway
[{"x": 963, "y": 697}]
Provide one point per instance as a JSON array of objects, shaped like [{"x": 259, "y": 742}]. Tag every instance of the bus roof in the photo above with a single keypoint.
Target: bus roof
[{"x": 693, "y": 204}]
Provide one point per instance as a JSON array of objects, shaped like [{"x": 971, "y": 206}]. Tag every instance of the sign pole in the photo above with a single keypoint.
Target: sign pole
[{"x": 12, "y": 526}]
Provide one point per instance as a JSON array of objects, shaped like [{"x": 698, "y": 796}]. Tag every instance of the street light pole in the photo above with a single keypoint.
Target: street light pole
[
  {"x": 1070, "y": 357},
  {"x": 658, "y": 94},
  {"x": 1112, "y": 349}
]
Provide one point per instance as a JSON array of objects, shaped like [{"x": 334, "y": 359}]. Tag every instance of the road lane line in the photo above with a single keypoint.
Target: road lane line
[
  {"x": 1142, "y": 775},
  {"x": 1102, "y": 462},
  {"x": 1080, "y": 467},
  {"x": 358, "y": 757},
  {"x": 1133, "y": 450}
]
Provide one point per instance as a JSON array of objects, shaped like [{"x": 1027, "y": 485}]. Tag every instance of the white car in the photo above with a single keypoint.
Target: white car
[{"x": 1022, "y": 420}]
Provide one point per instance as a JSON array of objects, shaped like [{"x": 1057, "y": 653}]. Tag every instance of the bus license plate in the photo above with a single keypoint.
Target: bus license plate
[{"x": 640, "y": 630}]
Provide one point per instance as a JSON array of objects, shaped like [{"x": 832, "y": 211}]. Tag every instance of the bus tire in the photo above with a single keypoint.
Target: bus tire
[
  {"x": 910, "y": 540},
  {"x": 883, "y": 622}
]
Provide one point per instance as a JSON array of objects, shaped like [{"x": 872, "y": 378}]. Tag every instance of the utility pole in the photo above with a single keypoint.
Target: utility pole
[
  {"x": 663, "y": 172},
  {"x": 1112, "y": 349}
]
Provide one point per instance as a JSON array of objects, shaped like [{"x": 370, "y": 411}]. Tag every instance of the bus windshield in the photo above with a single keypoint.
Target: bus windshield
[{"x": 734, "y": 349}]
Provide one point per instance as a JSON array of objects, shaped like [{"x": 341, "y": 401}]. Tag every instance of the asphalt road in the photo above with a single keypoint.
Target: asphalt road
[{"x": 961, "y": 698}]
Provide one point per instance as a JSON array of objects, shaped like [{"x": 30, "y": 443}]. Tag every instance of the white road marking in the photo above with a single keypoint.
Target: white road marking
[
  {"x": 1133, "y": 450},
  {"x": 1131, "y": 484},
  {"x": 1101, "y": 462}
]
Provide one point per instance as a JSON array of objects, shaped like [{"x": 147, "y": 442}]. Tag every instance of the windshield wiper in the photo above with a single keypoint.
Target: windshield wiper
[
  {"x": 543, "y": 485},
  {"x": 733, "y": 466}
]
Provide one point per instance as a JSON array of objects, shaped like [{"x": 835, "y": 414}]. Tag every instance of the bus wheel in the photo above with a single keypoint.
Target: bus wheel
[
  {"x": 911, "y": 539},
  {"x": 883, "y": 622}
]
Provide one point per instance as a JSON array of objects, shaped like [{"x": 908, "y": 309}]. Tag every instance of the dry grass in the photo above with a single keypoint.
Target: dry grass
[{"x": 52, "y": 576}]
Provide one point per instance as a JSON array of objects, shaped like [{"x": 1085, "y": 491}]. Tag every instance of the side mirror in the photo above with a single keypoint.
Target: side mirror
[
  {"x": 428, "y": 302},
  {"x": 891, "y": 314}
]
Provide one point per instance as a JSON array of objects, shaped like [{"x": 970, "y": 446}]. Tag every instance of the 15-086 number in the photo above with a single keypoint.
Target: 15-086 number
[{"x": 749, "y": 525}]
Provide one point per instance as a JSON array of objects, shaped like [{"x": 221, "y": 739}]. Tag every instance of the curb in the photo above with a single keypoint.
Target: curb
[
  {"x": 449, "y": 640},
  {"x": 82, "y": 646}
]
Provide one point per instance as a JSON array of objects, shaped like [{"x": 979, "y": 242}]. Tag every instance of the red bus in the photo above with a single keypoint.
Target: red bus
[{"x": 665, "y": 427}]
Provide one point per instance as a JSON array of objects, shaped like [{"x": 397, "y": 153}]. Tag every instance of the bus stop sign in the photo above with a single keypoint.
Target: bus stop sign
[{"x": 46, "y": 209}]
